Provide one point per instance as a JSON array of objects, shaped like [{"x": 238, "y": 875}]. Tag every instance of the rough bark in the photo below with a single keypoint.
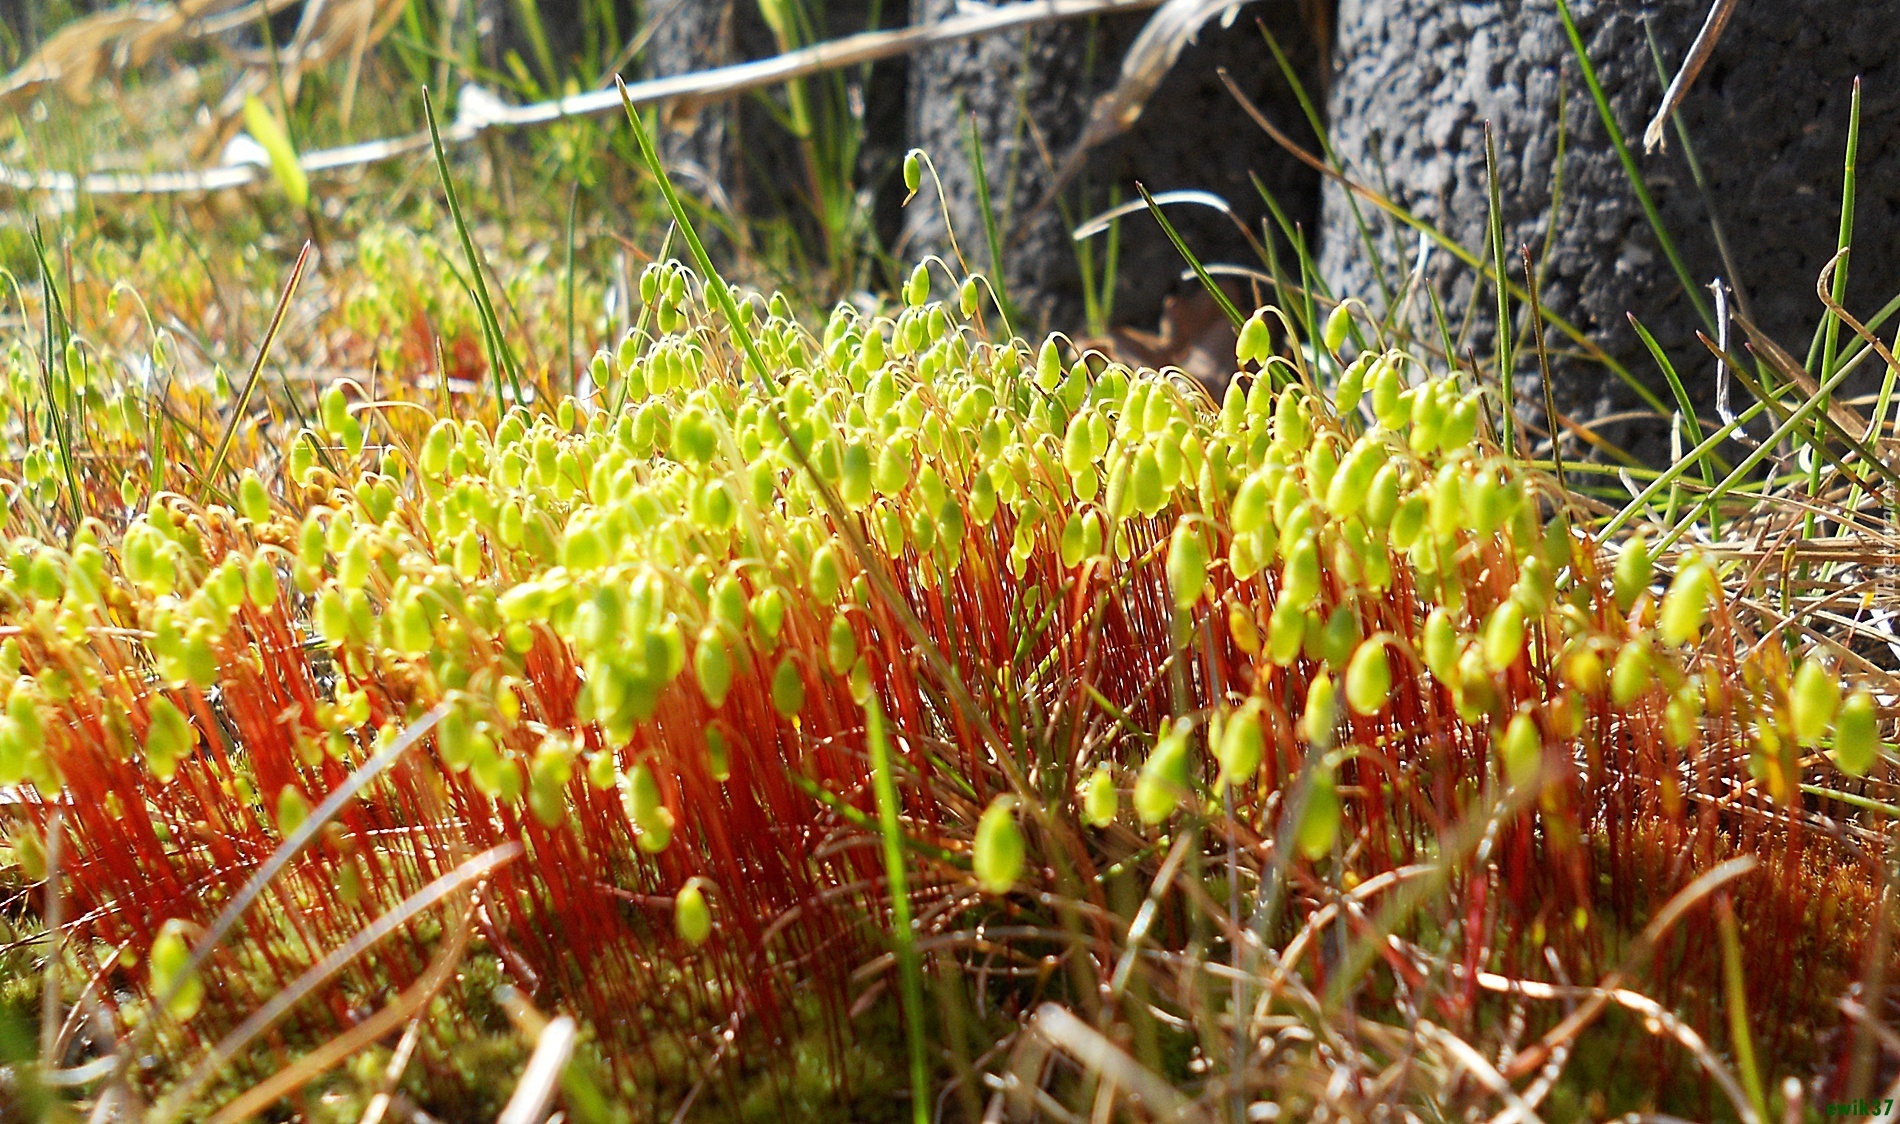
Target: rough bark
[
  {"x": 1417, "y": 80},
  {"x": 1030, "y": 96}
]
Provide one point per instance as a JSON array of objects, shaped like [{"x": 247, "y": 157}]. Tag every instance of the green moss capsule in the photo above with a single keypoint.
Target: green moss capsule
[
  {"x": 1369, "y": 677},
  {"x": 1685, "y": 607},
  {"x": 1632, "y": 673},
  {"x": 692, "y": 918},
  {"x": 1319, "y": 719},
  {"x": 788, "y": 688},
  {"x": 1522, "y": 750},
  {"x": 1813, "y": 699},
  {"x": 168, "y": 739},
  {"x": 1256, "y": 341},
  {"x": 712, "y": 666},
  {"x": 652, "y": 820},
  {"x": 1100, "y": 802},
  {"x": 1187, "y": 565},
  {"x": 1300, "y": 577},
  {"x": 1857, "y": 734},
  {"x": 1439, "y": 643},
  {"x": 293, "y": 808},
  {"x": 841, "y": 646},
  {"x": 1320, "y": 815},
  {"x": 1631, "y": 575},
  {"x": 1243, "y": 745},
  {"x": 1504, "y": 635},
  {"x": 998, "y": 853},
  {"x": 1166, "y": 776},
  {"x": 253, "y": 499},
  {"x": 768, "y": 614},
  {"x": 1147, "y": 489},
  {"x": 1286, "y": 630},
  {"x": 1339, "y": 637},
  {"x": 173, "y": 980}
]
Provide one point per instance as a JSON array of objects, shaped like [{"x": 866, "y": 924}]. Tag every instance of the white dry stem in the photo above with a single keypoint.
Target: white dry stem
[
  {"x": 535, "y": 1092},
  {"x": 479, "y": 110}
]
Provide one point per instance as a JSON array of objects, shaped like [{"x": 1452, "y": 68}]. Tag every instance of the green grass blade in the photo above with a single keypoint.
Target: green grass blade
[
  {"x": 573, "y": 203},
  {"x": 1735, "y": 985},
  {"x": 257, "y": 371},
  {"x": 1641, "y": 502},
  {"x": 500, "y": 356},
  {"x": 1635, "y": 174},
  {"x": 1794, "y": 420},
  {"x": 903, "y": 937},
  {"x": 1827, "y": 334},
  {"x": 58, "y": 330},
  {"x": 1499, "y": 259},
  {"x": 992, "y": 231},
  {"x": 1207, "y": 281},
  {"x": 1317, "y": 122}
]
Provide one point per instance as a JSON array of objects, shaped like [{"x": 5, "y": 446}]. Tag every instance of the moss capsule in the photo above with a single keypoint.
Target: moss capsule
[{"x": 998, "y": 853}]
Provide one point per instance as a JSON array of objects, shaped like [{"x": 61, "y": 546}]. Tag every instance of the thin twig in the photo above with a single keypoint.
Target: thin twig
[{"x": 478, "y": 110}]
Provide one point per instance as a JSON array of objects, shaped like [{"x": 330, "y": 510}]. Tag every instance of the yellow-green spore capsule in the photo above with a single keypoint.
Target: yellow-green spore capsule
[
  {"x": 1522, "y": 749},
  {"x": 1317, "y": 722},
  {"x": 692, "y": 918},
  {"x": 293, "y": 808},
  {"x": 1685, "y": 608},
  {"x": 841, "y": 646},
  {"x": 1439, "y": 640},
  {"x": 1369, "y": 677},
  {"x": 253, "y": 499},
  {"x": 173, "y": 980},
  {"x": 1243, "y": 745},
  {"x": 1632, "y": 673},
  {"x": 1337, "y": 327},
  {"x": 1165, "y": 776},
  {"x": 1299, "y": 583},
  {"x": 1813, "y": 699},
  {"x": 1099, "y": 799},
  {"x": 1320, "y": 817},
  {"x": 712, "y": 665},
  {"x": 998, "y": 853},
  {"x": 1286, "y": 630},
  {"x": 1857, "y": 735},
  {"x": 1504, "y": 635},
  {"x": 1187, "y": 565},
  {"x": 788, "y": 688},
  {"x": 1630, "y": 577},
  {"x": 1256, "y": 341},
  {"x": 652, "y": 820}
]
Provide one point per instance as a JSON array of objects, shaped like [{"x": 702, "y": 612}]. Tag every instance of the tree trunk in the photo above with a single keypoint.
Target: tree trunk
[
  {"x": 1030, "y": 95},
  {"x": 1417, "y": 81}
]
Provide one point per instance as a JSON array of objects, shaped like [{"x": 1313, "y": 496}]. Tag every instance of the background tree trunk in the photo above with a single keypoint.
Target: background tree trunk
[
  {"x": 1030, "y": 96},
  {"x": 736, "y": 154},
  {"x": 1417, "y": 80}
]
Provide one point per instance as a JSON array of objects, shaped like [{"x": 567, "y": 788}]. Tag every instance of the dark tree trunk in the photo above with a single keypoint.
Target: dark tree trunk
[
  {"x": 1416, "y": 81},
  {"x": 1030, "y": 96},
  {"x": 736, "y": 154}
]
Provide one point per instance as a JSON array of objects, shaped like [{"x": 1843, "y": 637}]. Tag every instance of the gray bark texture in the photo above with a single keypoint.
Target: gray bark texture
[
  {"x": 1416, "y": 81},
  {"x": 735, "y": 154},
  {"x": 1030, "y": 95}
]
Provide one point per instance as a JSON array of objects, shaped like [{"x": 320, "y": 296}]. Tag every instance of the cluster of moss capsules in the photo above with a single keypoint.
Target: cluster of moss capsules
[{"x": 656, "y": 616}]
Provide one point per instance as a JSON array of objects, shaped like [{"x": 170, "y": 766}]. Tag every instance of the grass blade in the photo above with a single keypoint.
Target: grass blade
[
  {"x": 903, "y": 938},
  {"x": 1194, "y": 263},
  {"x": 257, "y": 370},
  {"x": 500, "y": 356},
  {"x": 1735, "y": 985},
  {"x": 1505, "y": 360},
  {"x": 1635, "y": 174}
]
